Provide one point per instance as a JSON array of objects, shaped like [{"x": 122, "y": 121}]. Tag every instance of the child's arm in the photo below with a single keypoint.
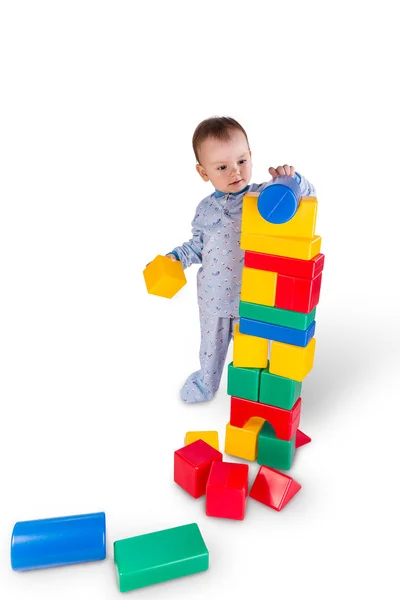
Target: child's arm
[
  {"x": 306, "y": 188},
  {"x": 190, "y": 252}
]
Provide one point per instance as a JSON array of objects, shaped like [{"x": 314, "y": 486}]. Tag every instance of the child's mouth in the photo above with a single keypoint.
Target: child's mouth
[{"x": 235, "y": 182}]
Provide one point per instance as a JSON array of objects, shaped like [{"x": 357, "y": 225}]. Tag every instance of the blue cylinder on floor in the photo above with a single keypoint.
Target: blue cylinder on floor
[
  {"x": 60, "y": 541},
  {"x": 278, "y": 202}
]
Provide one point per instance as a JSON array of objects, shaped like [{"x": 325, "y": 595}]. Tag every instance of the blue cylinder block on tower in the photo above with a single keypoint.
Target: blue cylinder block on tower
[
  {"x": 59, "y": 541},
  {"x": 278, "y": 202}
]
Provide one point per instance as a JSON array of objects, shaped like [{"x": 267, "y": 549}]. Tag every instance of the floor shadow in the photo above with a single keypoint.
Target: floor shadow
[{"x": 347, "y": 354}]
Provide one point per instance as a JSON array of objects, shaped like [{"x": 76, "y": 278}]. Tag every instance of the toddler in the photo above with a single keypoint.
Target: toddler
[{"x": 223, "y": 157}]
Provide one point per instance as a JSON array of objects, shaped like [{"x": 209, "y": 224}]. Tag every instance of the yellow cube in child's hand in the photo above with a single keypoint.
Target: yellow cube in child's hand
[{"x": 164, "y": 277}]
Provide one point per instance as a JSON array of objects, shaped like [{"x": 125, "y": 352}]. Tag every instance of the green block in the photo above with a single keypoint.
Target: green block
[
  {"x": 278, "y": 391},
  {"x": 273, "y": 452},
  {"x": 276, "y": 316},
  {"x": 160, "y": 556},
  {"x": 243, "y": 382}
]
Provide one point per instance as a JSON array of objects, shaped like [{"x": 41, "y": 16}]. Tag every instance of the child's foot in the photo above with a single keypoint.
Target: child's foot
[{"x": 194, "y": 390}]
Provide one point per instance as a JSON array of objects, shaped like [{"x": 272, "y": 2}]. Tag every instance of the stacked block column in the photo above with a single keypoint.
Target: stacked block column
[{"x": 274, "y": 343}]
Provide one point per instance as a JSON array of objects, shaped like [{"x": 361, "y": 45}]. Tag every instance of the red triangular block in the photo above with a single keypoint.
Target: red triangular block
[
  {"x": 301, "y": 439},
  {"x": 273, "y": 488}
]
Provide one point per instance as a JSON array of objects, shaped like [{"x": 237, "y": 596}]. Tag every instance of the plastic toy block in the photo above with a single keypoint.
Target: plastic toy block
[
  {"x": 278, "y": 391},
  {"x": 258, "y": 286},
  {"x": 292, "y": 267},
  {"x": 243, "y": 382},
  {"x": 59, "y": 541},
  {"x": 160, "y": 556},
  {"x": 192, "y": 466},
  {"x": 302, "y": 248},
  {"x": 302, "y": 225},
  {"x": 284, "y": 422},
  {"x": 273, "y": 489},
  {"x": 209, "y": 437},
  {"x": 279, "y": 200},
  {"x": 242, "y": 441},
  {"x": 273, "y": 452},
  {"x": 164, "y": 277},
  {"x": 295, "y": 293},
  {"x": 249, "y": 351},
  {"x": 227, "y": 490},
  {"x": 268, "y": 331},
  {"x": 276, "y": 316},
  {"x": 301, "y": 439},
  {"x": 292, "y": 362}
]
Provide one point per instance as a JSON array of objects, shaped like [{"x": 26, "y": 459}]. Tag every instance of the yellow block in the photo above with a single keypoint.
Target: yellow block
[
  {"x": 242, "y": 441},
  {"x": 258, "y": 286},
  {"x": 302, "y": 248},
  {"x": 210, "y": 437},
  {"x": 249, "y": 350},
  {"x": 292, "y": 362},
  {"x": 164, "y": 277},
  {"x": 302, "y": 225}
]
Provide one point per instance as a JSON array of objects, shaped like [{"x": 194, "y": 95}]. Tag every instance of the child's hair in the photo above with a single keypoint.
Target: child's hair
[{"x": 215, "y": 127}]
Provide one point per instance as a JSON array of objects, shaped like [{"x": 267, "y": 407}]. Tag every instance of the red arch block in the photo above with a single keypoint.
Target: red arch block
[{"x": 284, "y": 422}]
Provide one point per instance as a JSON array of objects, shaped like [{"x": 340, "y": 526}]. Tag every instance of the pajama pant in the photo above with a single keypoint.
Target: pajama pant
[{"x": 216, "y": 334}]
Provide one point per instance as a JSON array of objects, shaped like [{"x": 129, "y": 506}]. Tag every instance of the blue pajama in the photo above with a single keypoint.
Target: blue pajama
[
  {"x": 216, "y": 334},
  {"x": 215, "y": 244}
]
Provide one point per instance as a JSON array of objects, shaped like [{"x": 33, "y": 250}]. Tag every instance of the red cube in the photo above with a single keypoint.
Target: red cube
[
  {"x": 298, "y": 294},
  {"x": 192, "y": 465},
  {"x": 227, "y": 490}
]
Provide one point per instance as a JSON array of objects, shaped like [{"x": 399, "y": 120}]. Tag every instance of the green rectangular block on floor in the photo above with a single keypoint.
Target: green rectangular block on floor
[
  {"x": 273, "y": 452},
  {"x": 278, "y": 391},
  {"x": 160, "y": 556},
  {"x": 276, "y": 316},
  {"x": 243, "y": 382}
]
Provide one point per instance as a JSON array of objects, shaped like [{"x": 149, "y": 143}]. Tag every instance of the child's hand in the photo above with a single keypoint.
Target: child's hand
[
  {"x": 171, "y": 256},
  {"x": 285, "y": 170}
]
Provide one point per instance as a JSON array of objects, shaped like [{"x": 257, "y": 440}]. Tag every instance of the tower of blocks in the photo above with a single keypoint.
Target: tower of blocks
[{"x": 274, "y": 343}]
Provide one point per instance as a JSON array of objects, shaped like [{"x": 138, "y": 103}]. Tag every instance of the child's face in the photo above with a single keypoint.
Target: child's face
[{"x": 226, "y": 164}]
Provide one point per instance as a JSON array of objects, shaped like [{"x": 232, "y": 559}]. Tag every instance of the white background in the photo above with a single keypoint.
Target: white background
[{"x": 99, "y": 101}]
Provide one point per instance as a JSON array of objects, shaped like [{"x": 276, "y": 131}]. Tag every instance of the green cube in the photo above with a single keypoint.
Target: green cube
[
  {"x": 273, "y": 452},
  {"x": 276, "y": 316},
  {"x": 159, "y": 556},
  {"x": 278, "y": 391},
  {"x": 243, "y": 382}
]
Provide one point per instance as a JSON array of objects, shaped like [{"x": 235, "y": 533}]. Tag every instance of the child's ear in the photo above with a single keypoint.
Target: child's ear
[{"x": 202, "y": 173}]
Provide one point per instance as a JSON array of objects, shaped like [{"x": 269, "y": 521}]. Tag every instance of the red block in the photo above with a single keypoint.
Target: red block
[
  {"x": 285, "y": 422},
  {"x": 301, "y": 439},
  {"x": 227, "y": 489},
  {"x": 297, "y": 293},
  {"x": 273, "y": 488},
  {"x": 192, "y": 466},
  {"x": 293, "y": 267}
]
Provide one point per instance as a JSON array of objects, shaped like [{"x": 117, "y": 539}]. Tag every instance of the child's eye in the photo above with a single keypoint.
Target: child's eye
[
  {"x": 242, "y": 161},
  {"x": 222, "y": 168}
]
